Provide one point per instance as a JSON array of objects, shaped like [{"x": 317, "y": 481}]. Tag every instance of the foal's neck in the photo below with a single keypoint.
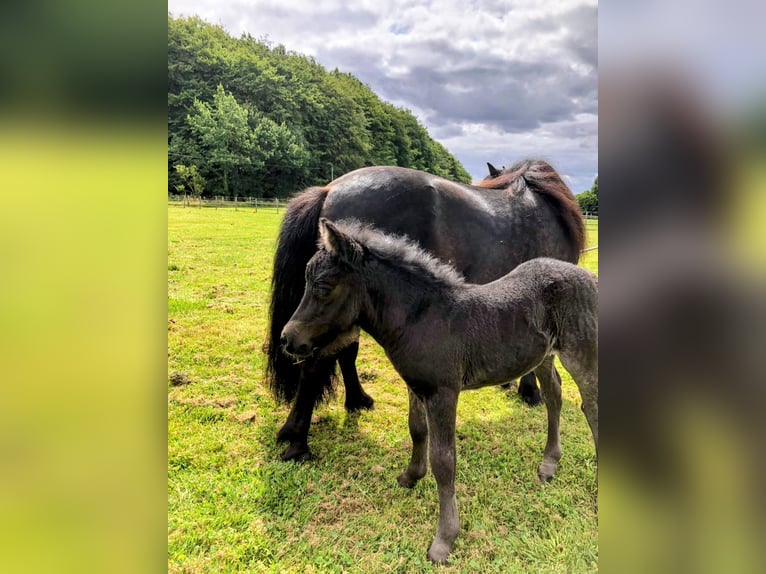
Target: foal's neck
[{"x": 399, "y": 299}]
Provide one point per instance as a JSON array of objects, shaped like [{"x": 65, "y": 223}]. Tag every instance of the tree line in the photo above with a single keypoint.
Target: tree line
[
  {"x": 588, "y": 200},
  {"x": 246, "y": 118}
]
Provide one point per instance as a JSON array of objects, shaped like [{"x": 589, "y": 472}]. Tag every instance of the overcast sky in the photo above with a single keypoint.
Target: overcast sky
[
  {"x": 492, "y": 80},
  {"x": 717, "y": 44}
]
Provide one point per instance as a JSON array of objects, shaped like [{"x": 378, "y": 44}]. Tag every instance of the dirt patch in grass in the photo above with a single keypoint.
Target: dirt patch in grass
[
  {"x": 220, "y": 402},
  {"x": 178, "y": 379},
  {"x": 246, "y": 417},
  {"x": 221, "y": 306}
]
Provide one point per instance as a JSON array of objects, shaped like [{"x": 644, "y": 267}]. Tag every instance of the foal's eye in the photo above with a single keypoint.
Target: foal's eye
[{"x": 321, "y": 291}]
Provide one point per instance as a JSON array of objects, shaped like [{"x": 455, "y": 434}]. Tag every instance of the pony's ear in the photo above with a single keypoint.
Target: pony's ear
[
  {"x": 493, "y": 171},
  {"x": 335, "y": 241}
]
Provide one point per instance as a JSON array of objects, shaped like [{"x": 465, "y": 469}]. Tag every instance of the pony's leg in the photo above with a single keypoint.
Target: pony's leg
[
  {"x": 441, "y": 412},
  {"x": 528, "y": 391},
  {"x": 419, "y": 433},
  {"x": 550, "y": 384},
  {"x": 315, "y": 378},
  {"x": 356, "y": 398}
]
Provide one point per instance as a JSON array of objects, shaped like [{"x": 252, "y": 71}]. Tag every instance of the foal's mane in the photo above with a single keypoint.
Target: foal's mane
[
  {"x": 401, "y": 251},
  {"x": 539, "y": 176}
]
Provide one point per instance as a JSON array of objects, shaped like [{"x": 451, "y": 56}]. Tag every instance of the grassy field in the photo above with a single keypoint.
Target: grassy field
[{"x": 234, "y": 507}]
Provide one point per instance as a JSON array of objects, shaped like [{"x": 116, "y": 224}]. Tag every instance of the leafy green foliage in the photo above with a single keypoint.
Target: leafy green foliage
[
  {"x": 191, "y": 178},
  {"x": 588, "y": 200},
  {"x": 222, "y": 133},
  {"x": 257, "y": 120}
]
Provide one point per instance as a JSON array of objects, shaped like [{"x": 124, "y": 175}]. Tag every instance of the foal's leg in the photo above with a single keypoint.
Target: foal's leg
[
  {"x": 550, "y": 385},
  {"x": 419, "y": 433},
  {"x": 315, "y": 377},
  {"x": 584, "y": 371},
  {"x": 441, "y": 412},
  {"x": 356, "y": 398}
]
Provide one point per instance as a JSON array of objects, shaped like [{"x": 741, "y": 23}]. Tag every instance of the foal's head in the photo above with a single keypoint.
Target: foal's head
[{"x": 326, "y": 317}]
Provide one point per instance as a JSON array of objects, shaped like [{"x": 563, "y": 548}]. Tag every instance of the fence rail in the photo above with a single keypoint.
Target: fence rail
[{"x": 255, "y": 203}]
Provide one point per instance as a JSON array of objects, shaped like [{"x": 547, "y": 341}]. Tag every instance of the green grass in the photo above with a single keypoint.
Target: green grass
[{"x": 234, "y": 507}]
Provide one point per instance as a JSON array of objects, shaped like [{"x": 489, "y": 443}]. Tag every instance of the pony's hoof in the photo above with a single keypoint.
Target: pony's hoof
[
  {"x": 532, "y": 398},
  {"x": 287, "y": 434},
  {"x": 364, "y": 402},
  {"x": 297, "y": 452},
  {"x": 406, "y": 481},
  {"x": 438, "y": 552}
]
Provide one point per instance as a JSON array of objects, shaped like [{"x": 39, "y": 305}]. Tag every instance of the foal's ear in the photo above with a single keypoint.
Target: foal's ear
[{"x": 335, "y": 241}]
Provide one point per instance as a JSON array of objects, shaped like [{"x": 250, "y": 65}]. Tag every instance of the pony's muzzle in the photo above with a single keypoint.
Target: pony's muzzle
[{"x": 293, "y": 342}]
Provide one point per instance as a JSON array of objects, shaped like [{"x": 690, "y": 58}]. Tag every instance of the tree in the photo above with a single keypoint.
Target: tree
[
  {"x": 278, "y": 160},
  {"x": 191, "y": 179},
  {"x": 223, "y": 133},
  {"x": 588, "y": 200}
]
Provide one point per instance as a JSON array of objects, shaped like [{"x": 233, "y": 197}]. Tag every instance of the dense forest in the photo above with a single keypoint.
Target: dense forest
[{"x": 250, "y": 119}]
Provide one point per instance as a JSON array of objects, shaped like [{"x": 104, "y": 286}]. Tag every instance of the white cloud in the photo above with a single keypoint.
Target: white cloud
[{"x": 492, "y": 80}]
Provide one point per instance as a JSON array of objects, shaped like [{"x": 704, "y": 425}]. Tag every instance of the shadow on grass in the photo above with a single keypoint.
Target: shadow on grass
[{"x": 347, "y": 497}]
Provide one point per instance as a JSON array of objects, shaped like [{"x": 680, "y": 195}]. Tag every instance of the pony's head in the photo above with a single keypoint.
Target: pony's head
[{"x": 325, "y": 320}]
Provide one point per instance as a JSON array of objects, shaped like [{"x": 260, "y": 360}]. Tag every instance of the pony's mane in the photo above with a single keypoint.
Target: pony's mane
[
  {"x": 539, "y": 176},
  {"x": 401, "y": 251}
]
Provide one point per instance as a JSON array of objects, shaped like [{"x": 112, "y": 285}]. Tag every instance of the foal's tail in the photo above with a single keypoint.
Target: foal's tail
[
  {"x": 539, "y": 176},
  {"x": 296, "y": 244}
]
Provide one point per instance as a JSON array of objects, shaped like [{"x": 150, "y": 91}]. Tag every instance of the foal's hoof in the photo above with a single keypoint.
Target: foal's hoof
[
  {"x": 364, "y": 402},
  {"x": 546, "y": 471},
  {"x": 297, "y": 452},
  {"x": 438, "y": 552}
]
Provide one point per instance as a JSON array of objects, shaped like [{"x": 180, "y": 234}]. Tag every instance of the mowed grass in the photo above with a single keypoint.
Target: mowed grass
[{"x": 233, "y": 506}]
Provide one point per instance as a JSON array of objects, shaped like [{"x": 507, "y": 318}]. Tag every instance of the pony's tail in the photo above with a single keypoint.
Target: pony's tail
[
  {"x": 296, "y": 244},
  {"x": 539, "y": 176}
]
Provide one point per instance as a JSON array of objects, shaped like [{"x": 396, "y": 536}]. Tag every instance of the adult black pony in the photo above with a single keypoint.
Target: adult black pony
[
  {"x": 444, "y": 336},
  {"x": 483, "y": 230}
]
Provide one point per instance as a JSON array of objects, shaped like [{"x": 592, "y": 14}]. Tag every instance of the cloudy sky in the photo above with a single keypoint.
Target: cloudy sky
[
  {"x": 492, "y": 80},
  {"x": 718, "y": 44}
]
